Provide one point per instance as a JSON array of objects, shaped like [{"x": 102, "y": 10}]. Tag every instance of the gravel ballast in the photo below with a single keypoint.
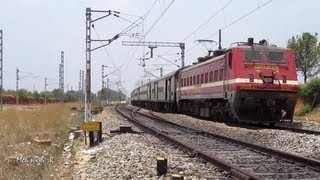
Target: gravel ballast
[
  {"x": 133, "y": 156},
  {"x": 300, "y": 144}
]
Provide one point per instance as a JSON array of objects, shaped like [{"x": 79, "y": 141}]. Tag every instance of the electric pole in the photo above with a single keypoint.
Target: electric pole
[
  {"x": 17, "y": 86},
  {"x": 153, "y": 45},
  {"x": 79, "y": 86},
  {"x": 89, "y": 49},
  {"x": 45, "y": 90},
  {"x": 61, "y": 78},
  {"x": 82, "y": 86},
  {"x": 1, "y": 69}
]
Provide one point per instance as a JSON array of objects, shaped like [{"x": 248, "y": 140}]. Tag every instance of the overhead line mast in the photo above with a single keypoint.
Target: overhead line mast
[
  {"x": 61, "y": 77},
  {"x": 1, "y": 69},
  {"x": 153, "y": 45}
]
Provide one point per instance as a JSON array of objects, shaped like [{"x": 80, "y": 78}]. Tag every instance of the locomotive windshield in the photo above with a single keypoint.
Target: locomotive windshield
[
  {"x": 275, "y": 56},
  {"x": 252, "y": 55}
]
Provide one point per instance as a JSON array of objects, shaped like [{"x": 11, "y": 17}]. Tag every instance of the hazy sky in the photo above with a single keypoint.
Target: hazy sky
[{"x": 35, "y": 31}]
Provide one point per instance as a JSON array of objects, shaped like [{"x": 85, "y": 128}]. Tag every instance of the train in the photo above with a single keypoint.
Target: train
[{"x": 247, "y": 82}]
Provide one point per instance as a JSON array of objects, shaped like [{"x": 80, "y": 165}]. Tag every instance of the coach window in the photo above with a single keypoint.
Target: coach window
[
  {"x": 188, "y": 81},
  {"x": 215, "y": 75},
  {"x": 198, "y": 79},
  {"x": 185, "y": 82},
  {"x": 220, "y": 74},
  {"x": 191, "y": 81},
  {"x": 181, "y": 83},
  {"x": 201, "y": 78},
  {"x": 194, "y": 80},
  {"x": 206, "y": 78},
  {"x": 211, "y": 76}
]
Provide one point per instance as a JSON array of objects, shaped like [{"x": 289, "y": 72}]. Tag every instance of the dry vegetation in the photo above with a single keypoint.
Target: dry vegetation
[{"x": 20, "y": 127}]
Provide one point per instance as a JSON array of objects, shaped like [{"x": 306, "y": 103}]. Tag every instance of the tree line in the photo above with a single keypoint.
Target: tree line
[{"x": 69, "y": 95}]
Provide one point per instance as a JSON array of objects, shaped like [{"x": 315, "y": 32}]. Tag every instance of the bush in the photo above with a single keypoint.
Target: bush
[
  {"x": 304, "y": 110},
  {"x": 308, "y": 89}
]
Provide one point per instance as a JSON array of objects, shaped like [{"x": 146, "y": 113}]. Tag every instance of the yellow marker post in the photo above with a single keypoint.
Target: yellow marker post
[{"x": 93, "y": 127}]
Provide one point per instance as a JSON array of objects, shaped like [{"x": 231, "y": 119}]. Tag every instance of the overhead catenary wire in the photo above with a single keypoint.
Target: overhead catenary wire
[
  {"x": 208, "y": 20},
  {"x": 233, "y": 22},
  {"x": 157, "y": 20},
  {"x": 135, "y": 49},
  {"x": 105, "y": 49}
]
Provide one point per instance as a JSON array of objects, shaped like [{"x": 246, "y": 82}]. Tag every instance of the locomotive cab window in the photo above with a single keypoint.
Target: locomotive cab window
[
  {"x": 252, "y": 55},
  {"x": 276, "y": 56}
]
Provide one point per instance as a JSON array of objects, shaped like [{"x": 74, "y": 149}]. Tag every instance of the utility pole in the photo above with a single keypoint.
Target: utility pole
[
  {"x": 103, "y": 88},
  {"x": 161, "y": 71},
  {"x": 89, "y": 49},
  {"x": 79, "y": 86},
  {"x": 17, "y": 86},
  {"x": 61, "y": 78},
  {"x": 108, "y": 92},
  {"x": 220, "y": 48},
  {"x": 1, "y": 69},
  {"x": 153, "y": 45},
  {"x": 45, "y": 90},
  {"x": 82, "y": 86},
  {"x": 87, "y": 115},
  {"x": 102, "y": 76}
]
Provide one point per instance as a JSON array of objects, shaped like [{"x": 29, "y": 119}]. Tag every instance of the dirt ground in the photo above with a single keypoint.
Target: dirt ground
[
  {"x": 33, "y": 137},
  {"x": 314, "y": 115}
]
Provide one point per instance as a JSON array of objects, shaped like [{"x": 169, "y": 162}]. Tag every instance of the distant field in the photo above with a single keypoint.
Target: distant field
[{"x": 20, "y": 125}]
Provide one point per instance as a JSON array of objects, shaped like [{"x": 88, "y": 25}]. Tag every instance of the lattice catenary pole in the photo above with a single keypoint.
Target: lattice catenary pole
[
  {"x": 1, "y": 69},
  {"x": 61, "y": 78}
]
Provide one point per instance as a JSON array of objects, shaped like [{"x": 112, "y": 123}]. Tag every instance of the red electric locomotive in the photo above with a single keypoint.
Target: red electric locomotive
[
  {"x": 249, "y": 81},
  {"x": 246, "y": 82}
]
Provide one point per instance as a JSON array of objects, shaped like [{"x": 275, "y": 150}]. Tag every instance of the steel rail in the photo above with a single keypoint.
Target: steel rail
[
  {"x": 297, "y": 130},
  {"x": 235, "y": 172},
  {"x": 312, "y": 164},
  {"x": 287, "y": 155}
]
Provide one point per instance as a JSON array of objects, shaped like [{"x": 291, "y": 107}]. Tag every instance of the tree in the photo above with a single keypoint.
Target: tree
[
  {"x": 72, "y": 96},
  {"x": 307, "y": 52},
  {"x": 23, "y": 93},
  {"x": 56, "y": 93},
  {"x": 102, "y": 94},
  {"x": 35, "y": 94}
]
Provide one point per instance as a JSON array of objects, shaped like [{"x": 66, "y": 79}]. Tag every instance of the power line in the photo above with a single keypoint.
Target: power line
[
  {"x": 237, "y": 20},
  {"x": 130, "y": 59},
  {"x": 105, "y": 50},
  {"x": 208, "y": 20},
  {"x": 161, "y": 15},
  {"x": 233, "y": 22},
  {"x": 149, "y": 9}
]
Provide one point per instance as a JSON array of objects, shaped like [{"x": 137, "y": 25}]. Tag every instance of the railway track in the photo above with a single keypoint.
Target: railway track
[
  {"x": 285, "y": 127},
  {"x": 243, "y": 160},
  {"x": 297, "y": 130}
]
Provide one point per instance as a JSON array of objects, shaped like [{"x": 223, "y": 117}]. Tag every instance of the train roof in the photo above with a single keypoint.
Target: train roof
[
  {"x": 260, "y": 47},
  {"x": 157, "y": 79},
  {"x": 163, "y": 77}
]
